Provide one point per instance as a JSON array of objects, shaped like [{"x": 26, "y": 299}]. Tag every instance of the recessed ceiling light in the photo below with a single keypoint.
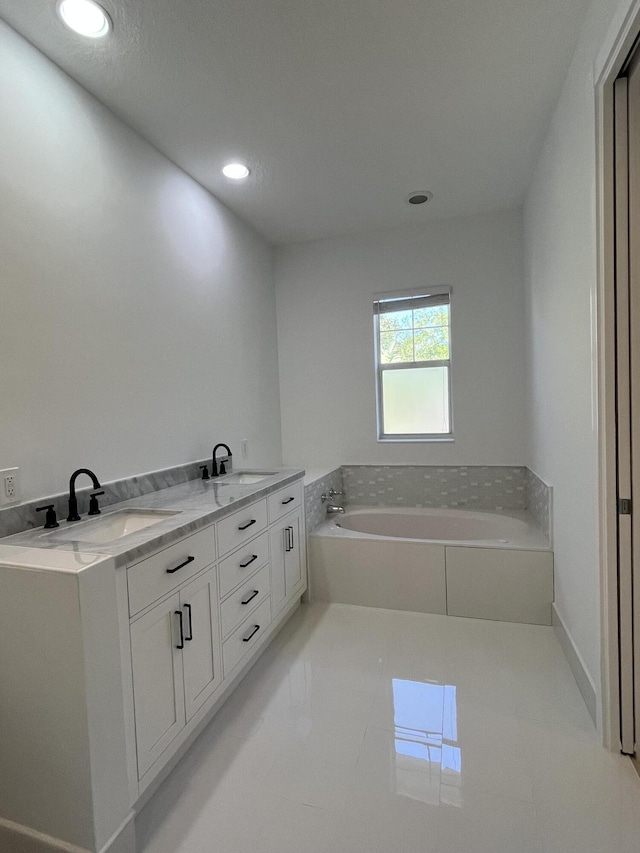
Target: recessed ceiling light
[
  {"x": 85, "y": 18},
  {"x": 237, "y": 171},
  {"x": 419, "y": 197}
]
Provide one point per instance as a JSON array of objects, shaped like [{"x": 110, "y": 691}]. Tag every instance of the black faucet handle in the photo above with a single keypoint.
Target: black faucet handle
[
  {"x": 94, "y": 509},
  {"x": 205, "y": 472},
  {"x": 50, "y": 519},
  {"x": 223, "y": 470}
]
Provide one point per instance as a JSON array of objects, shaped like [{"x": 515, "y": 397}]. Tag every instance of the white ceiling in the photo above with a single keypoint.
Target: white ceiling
[{"x": 341, "y": 108}]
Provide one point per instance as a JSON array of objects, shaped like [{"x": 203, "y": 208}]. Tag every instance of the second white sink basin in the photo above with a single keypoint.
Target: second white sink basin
[
  {"x": 114, "y": 526},
  {"x": 244, "y": 478}
]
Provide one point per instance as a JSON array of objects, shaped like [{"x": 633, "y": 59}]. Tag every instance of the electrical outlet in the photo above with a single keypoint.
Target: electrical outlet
[
  {"x": 244, "y": 447},
  {"x": 9, "y": 486}
]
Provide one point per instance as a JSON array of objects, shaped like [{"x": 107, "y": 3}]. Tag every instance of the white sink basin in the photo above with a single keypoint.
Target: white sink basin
[
  {"x": 114, "y": 526},
  {"x": 244, "y": 478}
]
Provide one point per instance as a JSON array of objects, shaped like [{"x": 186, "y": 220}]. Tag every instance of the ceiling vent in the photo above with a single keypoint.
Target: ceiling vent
[{"x": 419, "y": 197}]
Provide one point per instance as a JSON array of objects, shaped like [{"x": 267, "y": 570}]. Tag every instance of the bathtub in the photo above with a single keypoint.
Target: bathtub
[{"x": 484, "y": 565}]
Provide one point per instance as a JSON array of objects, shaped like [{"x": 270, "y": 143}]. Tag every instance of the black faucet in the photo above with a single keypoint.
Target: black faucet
[
  {"x": 73, "y": 502},
  {"x": 214, "y": 464}
]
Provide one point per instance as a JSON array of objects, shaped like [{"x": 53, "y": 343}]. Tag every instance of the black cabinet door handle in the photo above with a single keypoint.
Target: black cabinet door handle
[
  {"x": 178, "y": 613},
  {"x": 252, "y": 596},
  {"x": 255, "y": 629},
  {"x": 248, "y": 563},
  {"x": 286, "y": 539},
  {"x": 190, "y": 637},
  {"x": 288, "y": 501},
  {"x": 253, "y": 521},
  {"x": 181, "y": 566}
]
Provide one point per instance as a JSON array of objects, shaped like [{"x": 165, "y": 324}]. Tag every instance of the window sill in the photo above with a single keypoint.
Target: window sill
[{"x": 448, "y": 439}]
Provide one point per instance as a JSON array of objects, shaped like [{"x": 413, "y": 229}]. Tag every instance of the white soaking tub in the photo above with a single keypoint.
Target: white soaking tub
[{"x": 485, "y": 565}]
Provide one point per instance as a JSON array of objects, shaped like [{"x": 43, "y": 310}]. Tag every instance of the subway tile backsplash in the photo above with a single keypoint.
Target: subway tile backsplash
[
  {"x": 315, "y": 509},
  {"x": 539, "y": 502},
  {"x": 465, "y": 486}
]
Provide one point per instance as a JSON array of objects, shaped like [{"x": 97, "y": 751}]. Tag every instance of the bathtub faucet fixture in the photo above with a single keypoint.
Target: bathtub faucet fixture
[{"x": 333, "y": 508}]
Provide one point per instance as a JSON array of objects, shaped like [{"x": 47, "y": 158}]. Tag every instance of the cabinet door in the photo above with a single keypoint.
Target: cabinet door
[
  {"x": 201, "y": 656},
  {"x": 287, "y": 559},
  {"x": 278, "y": 535},
  {"x": 157, "y": 681},
  {"x": 293, "y": 555}
]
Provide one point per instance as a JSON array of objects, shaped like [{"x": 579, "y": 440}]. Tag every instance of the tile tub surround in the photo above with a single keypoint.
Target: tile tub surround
[
  {"x": 539, "y": 502},
  {"x": 481, "y": 487},
  {"x": 468, "y": 486},
  {"x": 315, "y": 485},
  {"x": 14, "y": 519}
]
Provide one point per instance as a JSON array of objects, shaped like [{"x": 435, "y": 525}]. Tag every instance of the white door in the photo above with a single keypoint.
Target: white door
[
  {"x": 157, "y": 680},
  {"x": 201, "y": 655}
]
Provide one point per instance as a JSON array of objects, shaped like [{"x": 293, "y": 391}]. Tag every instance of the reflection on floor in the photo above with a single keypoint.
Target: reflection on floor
[
  {"x": 365, "y": 730},
  {"x": 428, "y": 763}
]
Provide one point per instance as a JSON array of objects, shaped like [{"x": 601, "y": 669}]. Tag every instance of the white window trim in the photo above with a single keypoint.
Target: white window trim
[{"x": 380, "y": 368}]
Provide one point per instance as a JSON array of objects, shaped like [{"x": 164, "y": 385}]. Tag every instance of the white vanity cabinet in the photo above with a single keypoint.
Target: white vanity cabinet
[
  {"x": 110, "y": 671},
  {"x": 287, "y": 541}
]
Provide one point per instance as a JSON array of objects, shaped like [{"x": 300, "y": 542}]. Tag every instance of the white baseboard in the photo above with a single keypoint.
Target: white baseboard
[
  {"x": 583, "y": 679},
  {"x": 22, "y": 839}
]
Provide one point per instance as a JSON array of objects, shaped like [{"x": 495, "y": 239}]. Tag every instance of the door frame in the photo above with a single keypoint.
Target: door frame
[{"x": 620, "y": 39}]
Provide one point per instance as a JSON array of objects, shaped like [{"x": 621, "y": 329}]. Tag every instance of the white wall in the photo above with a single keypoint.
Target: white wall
[
  {"x": 324, "y": 292},
  {"x": 560, "y": 263},
  {"x": 137, "y": 317}
]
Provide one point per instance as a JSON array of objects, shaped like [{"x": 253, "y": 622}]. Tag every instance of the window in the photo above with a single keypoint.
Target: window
[{"x": 413, "y": 365}]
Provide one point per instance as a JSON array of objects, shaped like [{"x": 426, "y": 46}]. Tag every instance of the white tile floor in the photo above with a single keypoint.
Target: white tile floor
[{"x": 365, "y": 730}]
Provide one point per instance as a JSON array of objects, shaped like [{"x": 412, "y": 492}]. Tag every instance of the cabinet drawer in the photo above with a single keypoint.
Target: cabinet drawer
[
  {"x": 246, "y": 636},
  {"x": 241, "y": 526},
  {"x": 241, "y": 564},
  {"x": 241, "y": 602},
  {"x": 284, "y": 500},
  {"x": 152, "y": 578}
]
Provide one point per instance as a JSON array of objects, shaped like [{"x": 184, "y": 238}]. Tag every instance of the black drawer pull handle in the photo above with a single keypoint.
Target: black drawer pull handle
[
  {"x": 255, "y": 629},
  {"x": 248, "y": 563},
  {"x": 181, "y": 644},
  {"x": 181, "y": 566},
  {"x": 288, "y": 539},
  {"x": 253, "y": 521},
  {"x": 253, "y": 595},
  {"x": 190, "y": 637},
  {"x": 288, "y": 501}
]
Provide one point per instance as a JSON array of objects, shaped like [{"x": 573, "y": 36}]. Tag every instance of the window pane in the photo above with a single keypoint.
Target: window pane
[
  {"x": 438, "y": 315},
  {"x": 396, "y": 347},
  {"x": 395, "y": 320},
  {"x": 415, "y": 401},
  {"x": 432, "y": 344}
]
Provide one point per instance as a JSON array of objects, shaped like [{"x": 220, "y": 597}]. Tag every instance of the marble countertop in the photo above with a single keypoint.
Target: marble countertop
[{"x": 197, "y": 504}]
